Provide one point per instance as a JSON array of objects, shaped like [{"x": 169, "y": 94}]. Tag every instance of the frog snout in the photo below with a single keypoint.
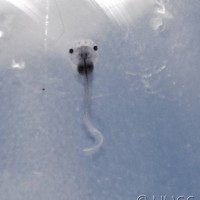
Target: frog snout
[{"x": 84, "y": 55}]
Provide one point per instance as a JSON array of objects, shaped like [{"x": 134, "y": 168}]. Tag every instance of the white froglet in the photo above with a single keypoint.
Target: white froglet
[{"x": 83, "y": 55}]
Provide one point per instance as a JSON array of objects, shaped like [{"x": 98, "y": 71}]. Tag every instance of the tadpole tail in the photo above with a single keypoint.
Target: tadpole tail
[{"x": 94, "y": 132}]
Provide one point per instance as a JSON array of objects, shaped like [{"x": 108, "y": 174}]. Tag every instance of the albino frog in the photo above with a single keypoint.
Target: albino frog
[{"x": 84, "y": 55}]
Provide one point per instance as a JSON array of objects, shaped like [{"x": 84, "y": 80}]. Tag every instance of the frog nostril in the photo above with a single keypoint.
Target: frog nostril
[{"x": 83, "y": 55}]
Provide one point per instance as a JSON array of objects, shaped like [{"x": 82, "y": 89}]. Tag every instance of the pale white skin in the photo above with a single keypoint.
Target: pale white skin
[
  {"x": 83, "y": 55},
  {"x": 80, "y": 48}
]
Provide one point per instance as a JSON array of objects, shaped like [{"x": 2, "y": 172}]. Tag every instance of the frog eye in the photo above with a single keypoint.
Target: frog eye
[
  {"x": 71, "y": 51},
  {"x": 95, "y": 48}
]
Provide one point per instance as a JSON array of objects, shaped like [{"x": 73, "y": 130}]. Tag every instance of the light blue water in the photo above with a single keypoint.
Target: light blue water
[{"x": 146, "y": 94}]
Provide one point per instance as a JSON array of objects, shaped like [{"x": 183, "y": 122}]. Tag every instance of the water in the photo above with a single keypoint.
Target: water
[{"x": 145, "y": 100}]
